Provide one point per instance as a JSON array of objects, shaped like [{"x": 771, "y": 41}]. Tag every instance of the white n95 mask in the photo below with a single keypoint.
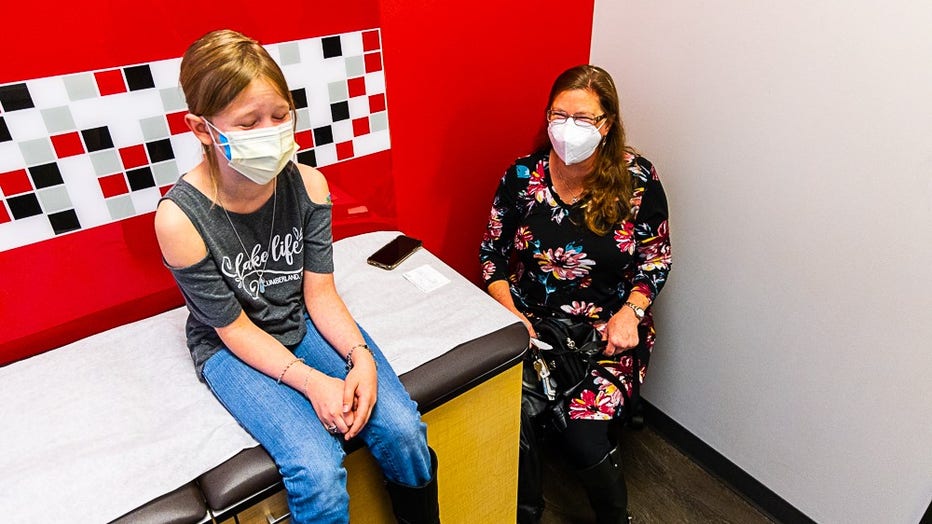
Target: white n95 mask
[
  {"x": 572, "y": 141},
  {"x": 257, "y": 154}
]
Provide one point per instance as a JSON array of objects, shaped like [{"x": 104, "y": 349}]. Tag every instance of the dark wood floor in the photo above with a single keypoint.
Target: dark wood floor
[{"x": 664, "y": 487}]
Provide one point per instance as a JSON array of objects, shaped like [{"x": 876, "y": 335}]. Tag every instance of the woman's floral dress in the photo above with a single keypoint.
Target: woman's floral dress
[{"x": 557, "y": 266}]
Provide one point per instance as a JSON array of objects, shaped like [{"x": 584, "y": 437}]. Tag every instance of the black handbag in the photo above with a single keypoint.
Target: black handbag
[
  {"x": 572, "y": 357},
  {"x": 575, "y": 346}
]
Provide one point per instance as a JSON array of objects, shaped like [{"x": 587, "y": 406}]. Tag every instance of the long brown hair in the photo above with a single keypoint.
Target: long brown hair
[
  {"x": 216, "y": 68},
  {"x": 609, "y": 185}
]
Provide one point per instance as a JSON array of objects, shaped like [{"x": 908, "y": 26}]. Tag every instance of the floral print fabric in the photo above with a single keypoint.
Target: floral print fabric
[{"x": 556, "y": 266}]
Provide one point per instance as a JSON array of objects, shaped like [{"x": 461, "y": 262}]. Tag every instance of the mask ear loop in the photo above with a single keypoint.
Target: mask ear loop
[{"x": 225, "y": 145}]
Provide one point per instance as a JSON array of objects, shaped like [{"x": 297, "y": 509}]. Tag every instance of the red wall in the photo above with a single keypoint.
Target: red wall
[
  {"x": 58, "y": 37},
  {"x": 467, "y": 83}
]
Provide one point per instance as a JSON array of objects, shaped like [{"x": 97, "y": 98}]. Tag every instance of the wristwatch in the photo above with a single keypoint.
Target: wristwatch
[{"x": 638, "y": 312}]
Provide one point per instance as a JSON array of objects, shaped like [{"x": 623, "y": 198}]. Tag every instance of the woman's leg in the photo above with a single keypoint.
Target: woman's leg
[
  {"x": 530, "y": 477},
  {"x": 309, "y": 459},
  {"x": 598, "y": 464}
]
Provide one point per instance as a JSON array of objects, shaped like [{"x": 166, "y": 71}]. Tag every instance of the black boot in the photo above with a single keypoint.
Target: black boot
[
  {"x": 416, "y": 505},
  {"x": 530, "y": 481},
  {"x": 605, "y": 485}
]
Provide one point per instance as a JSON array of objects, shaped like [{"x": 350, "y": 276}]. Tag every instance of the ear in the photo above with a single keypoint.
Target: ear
[
  {"x": 199, "y": 128},
  {"x": 606, "y": 127}
]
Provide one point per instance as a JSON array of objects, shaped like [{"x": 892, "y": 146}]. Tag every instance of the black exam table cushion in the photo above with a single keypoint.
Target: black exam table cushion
[{"x": 251, "y": 475}]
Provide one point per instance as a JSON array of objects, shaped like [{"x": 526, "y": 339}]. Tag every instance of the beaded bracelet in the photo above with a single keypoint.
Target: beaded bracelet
[
  {"x": 282, "y": 375},
  {"x": 349, "y": 356}
]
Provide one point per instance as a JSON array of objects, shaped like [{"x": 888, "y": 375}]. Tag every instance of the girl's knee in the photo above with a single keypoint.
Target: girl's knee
[{"x": 409, "y": 434}]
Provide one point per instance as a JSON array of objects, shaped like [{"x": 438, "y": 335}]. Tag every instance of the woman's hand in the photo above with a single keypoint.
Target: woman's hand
[
  {"x": 326, "y": 396},
  {"x": 360, "y": 392},
  {"x": 621, "y": 331},
  {"x": 527, "y": 324}
]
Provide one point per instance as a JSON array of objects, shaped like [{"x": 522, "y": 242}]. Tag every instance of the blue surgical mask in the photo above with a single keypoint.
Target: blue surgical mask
[{"x": 257, "y": 154}]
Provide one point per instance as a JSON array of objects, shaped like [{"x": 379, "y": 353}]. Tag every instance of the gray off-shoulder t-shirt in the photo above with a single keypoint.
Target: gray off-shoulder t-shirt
[{"x": 254, "y": 264}]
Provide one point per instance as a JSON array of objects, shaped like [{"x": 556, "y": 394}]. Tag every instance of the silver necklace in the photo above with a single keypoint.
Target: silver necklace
[
  {"x": 572, "y": 200},
  {"x": 271, "y": 232}
]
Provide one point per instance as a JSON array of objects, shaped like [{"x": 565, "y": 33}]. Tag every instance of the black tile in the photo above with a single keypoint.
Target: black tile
[
  {"x": 308, "y": 157},
  {"x": 24, "y": 206},
  {"x": 300, "y": 98},
  {"x": 138, "y": 77},
  {"x": 339, "y": 111},
  {"x": 140, "y": 178},
  {"x": 160, "y": 150},
  {"x": 97, "y": 139},
  {"x": 332, "y": 46},
  {"x": 64, "y": 221},
  {"x": 16, "y": 96},
  {"x": 323, "y": 135},
  {"x": 46, "y": 175},
  {"x": 5, "y": 135}
]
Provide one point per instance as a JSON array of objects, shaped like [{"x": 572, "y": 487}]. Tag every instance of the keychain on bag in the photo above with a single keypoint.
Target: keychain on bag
[{"x": 543, "y": 370}]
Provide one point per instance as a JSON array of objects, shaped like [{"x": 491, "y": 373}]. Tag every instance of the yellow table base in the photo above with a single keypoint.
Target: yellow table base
[{"x": 475, "y": 436}]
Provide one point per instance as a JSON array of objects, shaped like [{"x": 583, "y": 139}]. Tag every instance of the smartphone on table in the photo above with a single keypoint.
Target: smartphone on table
[{"x": 394, "y": 252}]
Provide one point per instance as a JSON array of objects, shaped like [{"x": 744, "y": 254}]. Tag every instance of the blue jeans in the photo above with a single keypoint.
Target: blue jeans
[{"x": 309, "y": 458}]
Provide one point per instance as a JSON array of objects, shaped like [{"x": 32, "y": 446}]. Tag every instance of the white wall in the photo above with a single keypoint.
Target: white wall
[{"x": 795, "y": 143}]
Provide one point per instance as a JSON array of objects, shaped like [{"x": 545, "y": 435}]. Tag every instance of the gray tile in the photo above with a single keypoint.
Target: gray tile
[
  {"x": 58, "y": 119},
  {"x": 338, "y": 91},
  {"x": 106, "y": 162},
  {"x": 121, "y": 207},
  {"x": 54, "y": 199},
  {"x": 81, "y": 86},
  {"x": 38, "y": 151},
  {"x": 173, "y": 99},
  {"x": 304, "y": 119},
  {"x": 165, "y": 173},
  {"x": 355, "y": 66},
  {"x": 289, "y": 54},
  {"x": 378, "y": 121},
  {"x": 154, "y": 128}
]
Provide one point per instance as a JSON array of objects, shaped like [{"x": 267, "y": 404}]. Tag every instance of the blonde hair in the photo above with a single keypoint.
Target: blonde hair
[
  {"x": 609, "y": 185},
  {"x": 216, "y": 68}
]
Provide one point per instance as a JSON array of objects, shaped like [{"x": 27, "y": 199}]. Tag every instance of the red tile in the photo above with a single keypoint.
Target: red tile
[
  {"x": 361, "y": 126},
  {"x": 357, "y": 86},
  {"x": 68, "y": 144},
  {"x": 176, "y": 122},
  {"x": 110, "y": 82},
  {"x": 4, "y": 215},
  {"x": 113, "y": 185},
  {"x": 305, "y": 139},
  {"x": 345, "y": 150},
  {"x": 164, "y": 189},
  {"x": 377, "y": 103},
  {"x": 370, "y": 40},
  {"x": 14, "y": 183},
  {"x": 373, "y": 62},
  {"x": 134, "y": 156}
]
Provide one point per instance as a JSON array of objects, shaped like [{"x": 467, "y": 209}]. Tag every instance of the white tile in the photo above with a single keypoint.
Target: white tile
[
  {"x": 326, "y": 155},
  {"x": 11, "y": 158},
  {"x": 25, "y": 124},
  {"x": 351, "y": 43},
  {"x": 165, "y": 72},
  {"x": 25, "y": 231},
  {"x": 145, "y": 200},
  {"x": 48, "y": 92}
]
